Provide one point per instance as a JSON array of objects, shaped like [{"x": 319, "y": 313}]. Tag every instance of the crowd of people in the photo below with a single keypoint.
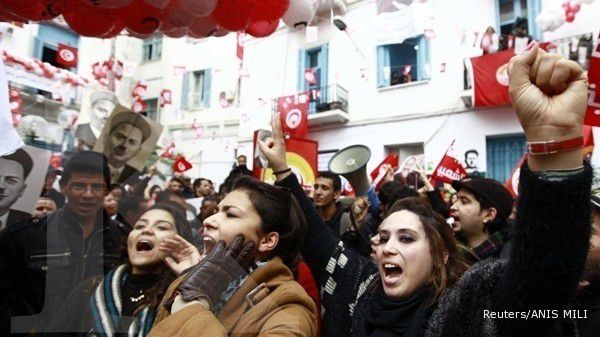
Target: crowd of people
[{"x": 99, "y": 258}]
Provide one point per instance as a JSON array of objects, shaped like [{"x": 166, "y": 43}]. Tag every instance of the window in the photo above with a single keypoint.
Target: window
[
  {"x": 152, "y": 48},
  {"x": 503, "y": 154},
  {"x": 196, "y": 89},
  {"x": 315, "y": 59},
  {"x": 47, "y": 40},
  {"x": 404, "y": 62},
  {"x": 508, "y": 11},
  {"x": 151, "y": 109}
]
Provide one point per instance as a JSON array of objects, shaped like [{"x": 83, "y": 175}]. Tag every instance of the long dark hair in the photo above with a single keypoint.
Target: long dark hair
[
  {"x": 156, "y": 293},
  {"x": 441, "y": 244},
  {"x": 279, "y": 212}
]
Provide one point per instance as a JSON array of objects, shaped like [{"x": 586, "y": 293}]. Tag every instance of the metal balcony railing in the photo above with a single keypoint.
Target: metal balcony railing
[{"x": 325, "y": 98}]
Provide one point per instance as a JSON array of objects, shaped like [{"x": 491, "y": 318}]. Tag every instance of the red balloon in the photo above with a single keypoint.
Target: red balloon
[
  {"x": 158, "y": 3},
  {"x": 570, "y": 16},
  {"x": 203, "y": 27},
  {"x": 269, "y": 10},
  {"x": 176, "y": 32},
  {"x": 177, "y": 16},
  {"x": 233, "y": 14},
  {"x": 220, "y": 32},
  {"x": 108, "y": 3},
  {"x": 88, "y": 20},
  {"x": 141, "y": 18},
  {"x": 262, "y": 28},
  {"x": 115, "y": 30},
  {"x": 200, "y": 7},
  {"x": 6, "y": 16},
  {"x": 35, "y": 10},
  {"x": 137, "y": 35}
]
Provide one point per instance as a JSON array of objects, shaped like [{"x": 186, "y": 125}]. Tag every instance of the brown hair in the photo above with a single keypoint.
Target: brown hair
[
  {"x": 279, "y": 212},
  {"x": 441, "y": 244}
]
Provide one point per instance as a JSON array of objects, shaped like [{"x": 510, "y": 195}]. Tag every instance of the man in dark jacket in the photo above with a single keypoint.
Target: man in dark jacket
[
  {"x": 42, "y": 260},
  {"x": 327, "y": 190},
  {"x": 480, "y": 212}
]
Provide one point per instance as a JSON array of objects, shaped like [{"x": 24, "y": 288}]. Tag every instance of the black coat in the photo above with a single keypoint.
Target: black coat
[
  {"x": 547, "y": 257},
  {"x": 42, "y": 260}
]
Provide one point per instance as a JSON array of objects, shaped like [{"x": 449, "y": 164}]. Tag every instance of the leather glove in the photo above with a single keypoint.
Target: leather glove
[{"x": 211, "y": 276}]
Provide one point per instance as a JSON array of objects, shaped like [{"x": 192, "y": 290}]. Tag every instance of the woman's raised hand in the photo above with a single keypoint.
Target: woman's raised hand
[
  {"x": 549, "y": 95},
  {"x": 274, "y": 148},
  {"x": 182, "y": 254}
]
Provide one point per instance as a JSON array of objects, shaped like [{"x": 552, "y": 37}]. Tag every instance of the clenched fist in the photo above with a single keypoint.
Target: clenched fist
[{"x": 549, "y": 95}]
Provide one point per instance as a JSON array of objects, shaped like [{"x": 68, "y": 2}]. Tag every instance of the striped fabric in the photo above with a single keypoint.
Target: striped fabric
[{"x": 106, "y": 307}]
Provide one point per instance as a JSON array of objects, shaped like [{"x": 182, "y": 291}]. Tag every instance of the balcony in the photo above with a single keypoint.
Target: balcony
[{"x": 327, "y": 105}]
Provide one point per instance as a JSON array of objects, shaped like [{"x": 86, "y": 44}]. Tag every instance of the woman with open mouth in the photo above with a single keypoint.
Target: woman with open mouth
[
  {"x": 416, "y": 285},
  {"x": 244, "y": 283},
  {"x": 125, "y": 302}
]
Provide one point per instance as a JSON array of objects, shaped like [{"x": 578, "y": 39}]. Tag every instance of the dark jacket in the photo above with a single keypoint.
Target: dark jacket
[
  {"x": 42, "y": 260},
  {"x": 128, "y": 176},
  {"x": 542, "y": 271},
  {"x": 15, "y": 216}
]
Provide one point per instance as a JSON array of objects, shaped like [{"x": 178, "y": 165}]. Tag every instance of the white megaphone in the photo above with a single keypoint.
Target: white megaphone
[{"x": 351, "y": 162}]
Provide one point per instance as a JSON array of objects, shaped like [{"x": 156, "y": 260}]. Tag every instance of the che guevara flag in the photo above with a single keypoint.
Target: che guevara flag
[
  {"x": 490, "y": 78},
  {"x": 449, "y": 168}
]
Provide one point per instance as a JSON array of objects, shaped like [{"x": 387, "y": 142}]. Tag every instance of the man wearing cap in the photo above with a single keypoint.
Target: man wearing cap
[
  {"x": 15, "y": 170},
  {"x": 102, "y": 104},
  {"x": 480, "y": 214},
  {"x": 128, "y": 131},
  {"x": 43, "y": 260}
]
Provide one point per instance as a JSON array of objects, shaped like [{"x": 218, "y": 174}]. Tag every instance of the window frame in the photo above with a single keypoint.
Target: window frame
[
  {"x": 204, "y": 99},
  {"x": 423, "y": 63},
  {"x": 155, "y": 43}
]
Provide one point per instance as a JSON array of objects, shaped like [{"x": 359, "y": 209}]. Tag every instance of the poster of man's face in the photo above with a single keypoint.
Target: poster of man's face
[
  {"x": 127, "y": 141},
  {"x": 21, "y": 181},
  {"x": 96, "y": 108}
]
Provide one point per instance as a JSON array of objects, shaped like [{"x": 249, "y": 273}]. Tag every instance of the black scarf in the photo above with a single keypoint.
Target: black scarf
[{"x": 407, "y": 316}]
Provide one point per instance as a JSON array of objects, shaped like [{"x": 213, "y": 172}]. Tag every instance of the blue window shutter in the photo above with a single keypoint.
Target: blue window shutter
[
  {"x": 185, "y": 90},
  {"x": 423, "y": 59},
  {"x": 533, "y": 9},
  {"x": 383, "y": 62},
  {"x": 206, "y": 87},
  {"x": 324, "y": 63},
  {"x": 301, "y": 67}
]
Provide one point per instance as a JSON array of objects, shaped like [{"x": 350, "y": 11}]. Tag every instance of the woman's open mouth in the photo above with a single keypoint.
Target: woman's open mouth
[
  {"x": 144, "y": 246},
  {"x": 209, "y": 244},
  {"x": 391, "y": 273}
]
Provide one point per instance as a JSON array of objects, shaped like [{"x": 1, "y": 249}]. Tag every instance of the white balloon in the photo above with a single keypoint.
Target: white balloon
[
  {"x": 550, "y": 20},
  {"x": 587, "y": 2},
  {"x": 299, "y": 14}
]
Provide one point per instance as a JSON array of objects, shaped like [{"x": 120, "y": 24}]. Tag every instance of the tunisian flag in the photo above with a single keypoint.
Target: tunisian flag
[
  {"x": 181, "y": 164},
  {"x": 449, "y": 169},
  {"x": 490, "y": 78},
  {"x": 592, "y": 116},
  {"x": 294, "y": 115},
  {"x": 512, "y": 183},
  {"x": 66, "y": 55},
  {"x": 392, "y": 159}
]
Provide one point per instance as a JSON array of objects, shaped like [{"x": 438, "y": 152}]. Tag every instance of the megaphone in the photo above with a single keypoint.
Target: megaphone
[{"x": 351, "y": 162}]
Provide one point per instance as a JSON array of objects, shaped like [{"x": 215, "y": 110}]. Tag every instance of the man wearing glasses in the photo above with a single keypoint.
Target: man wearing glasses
[
  {"x": 43, "y": 260},
  {"x": 15, "y": 170}
]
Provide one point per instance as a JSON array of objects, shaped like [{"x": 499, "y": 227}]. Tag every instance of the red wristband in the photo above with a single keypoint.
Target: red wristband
[{"x": 552, "y": 146}]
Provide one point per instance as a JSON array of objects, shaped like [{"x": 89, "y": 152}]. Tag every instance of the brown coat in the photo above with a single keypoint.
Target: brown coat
[{"x": 268, "y": 303}]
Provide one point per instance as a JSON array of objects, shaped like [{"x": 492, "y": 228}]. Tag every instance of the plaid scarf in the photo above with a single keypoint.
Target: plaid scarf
[
  {"x": 106, "y": 306},
  {"x": 490, "y": 247}
]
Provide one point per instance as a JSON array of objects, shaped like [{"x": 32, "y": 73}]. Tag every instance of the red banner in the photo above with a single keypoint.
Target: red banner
[
  {"x": 139, "y": 91},
  {"x": 294, "y": 115},
  {"x": 66, "y": 55},
  {"x": 181, "y": 164},
  {"x": 592, "y": 116},
  {"x": 512, "y": 183},
  {"x": 392, "y": 159},
  {"x": 301, "y": 156},
  {"x": 490, "y": 78},
  {"x": 449, "y": 169}
]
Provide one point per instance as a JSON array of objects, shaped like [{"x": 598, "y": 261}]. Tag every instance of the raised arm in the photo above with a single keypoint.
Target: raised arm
[{"x": 551, "y": 233}]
